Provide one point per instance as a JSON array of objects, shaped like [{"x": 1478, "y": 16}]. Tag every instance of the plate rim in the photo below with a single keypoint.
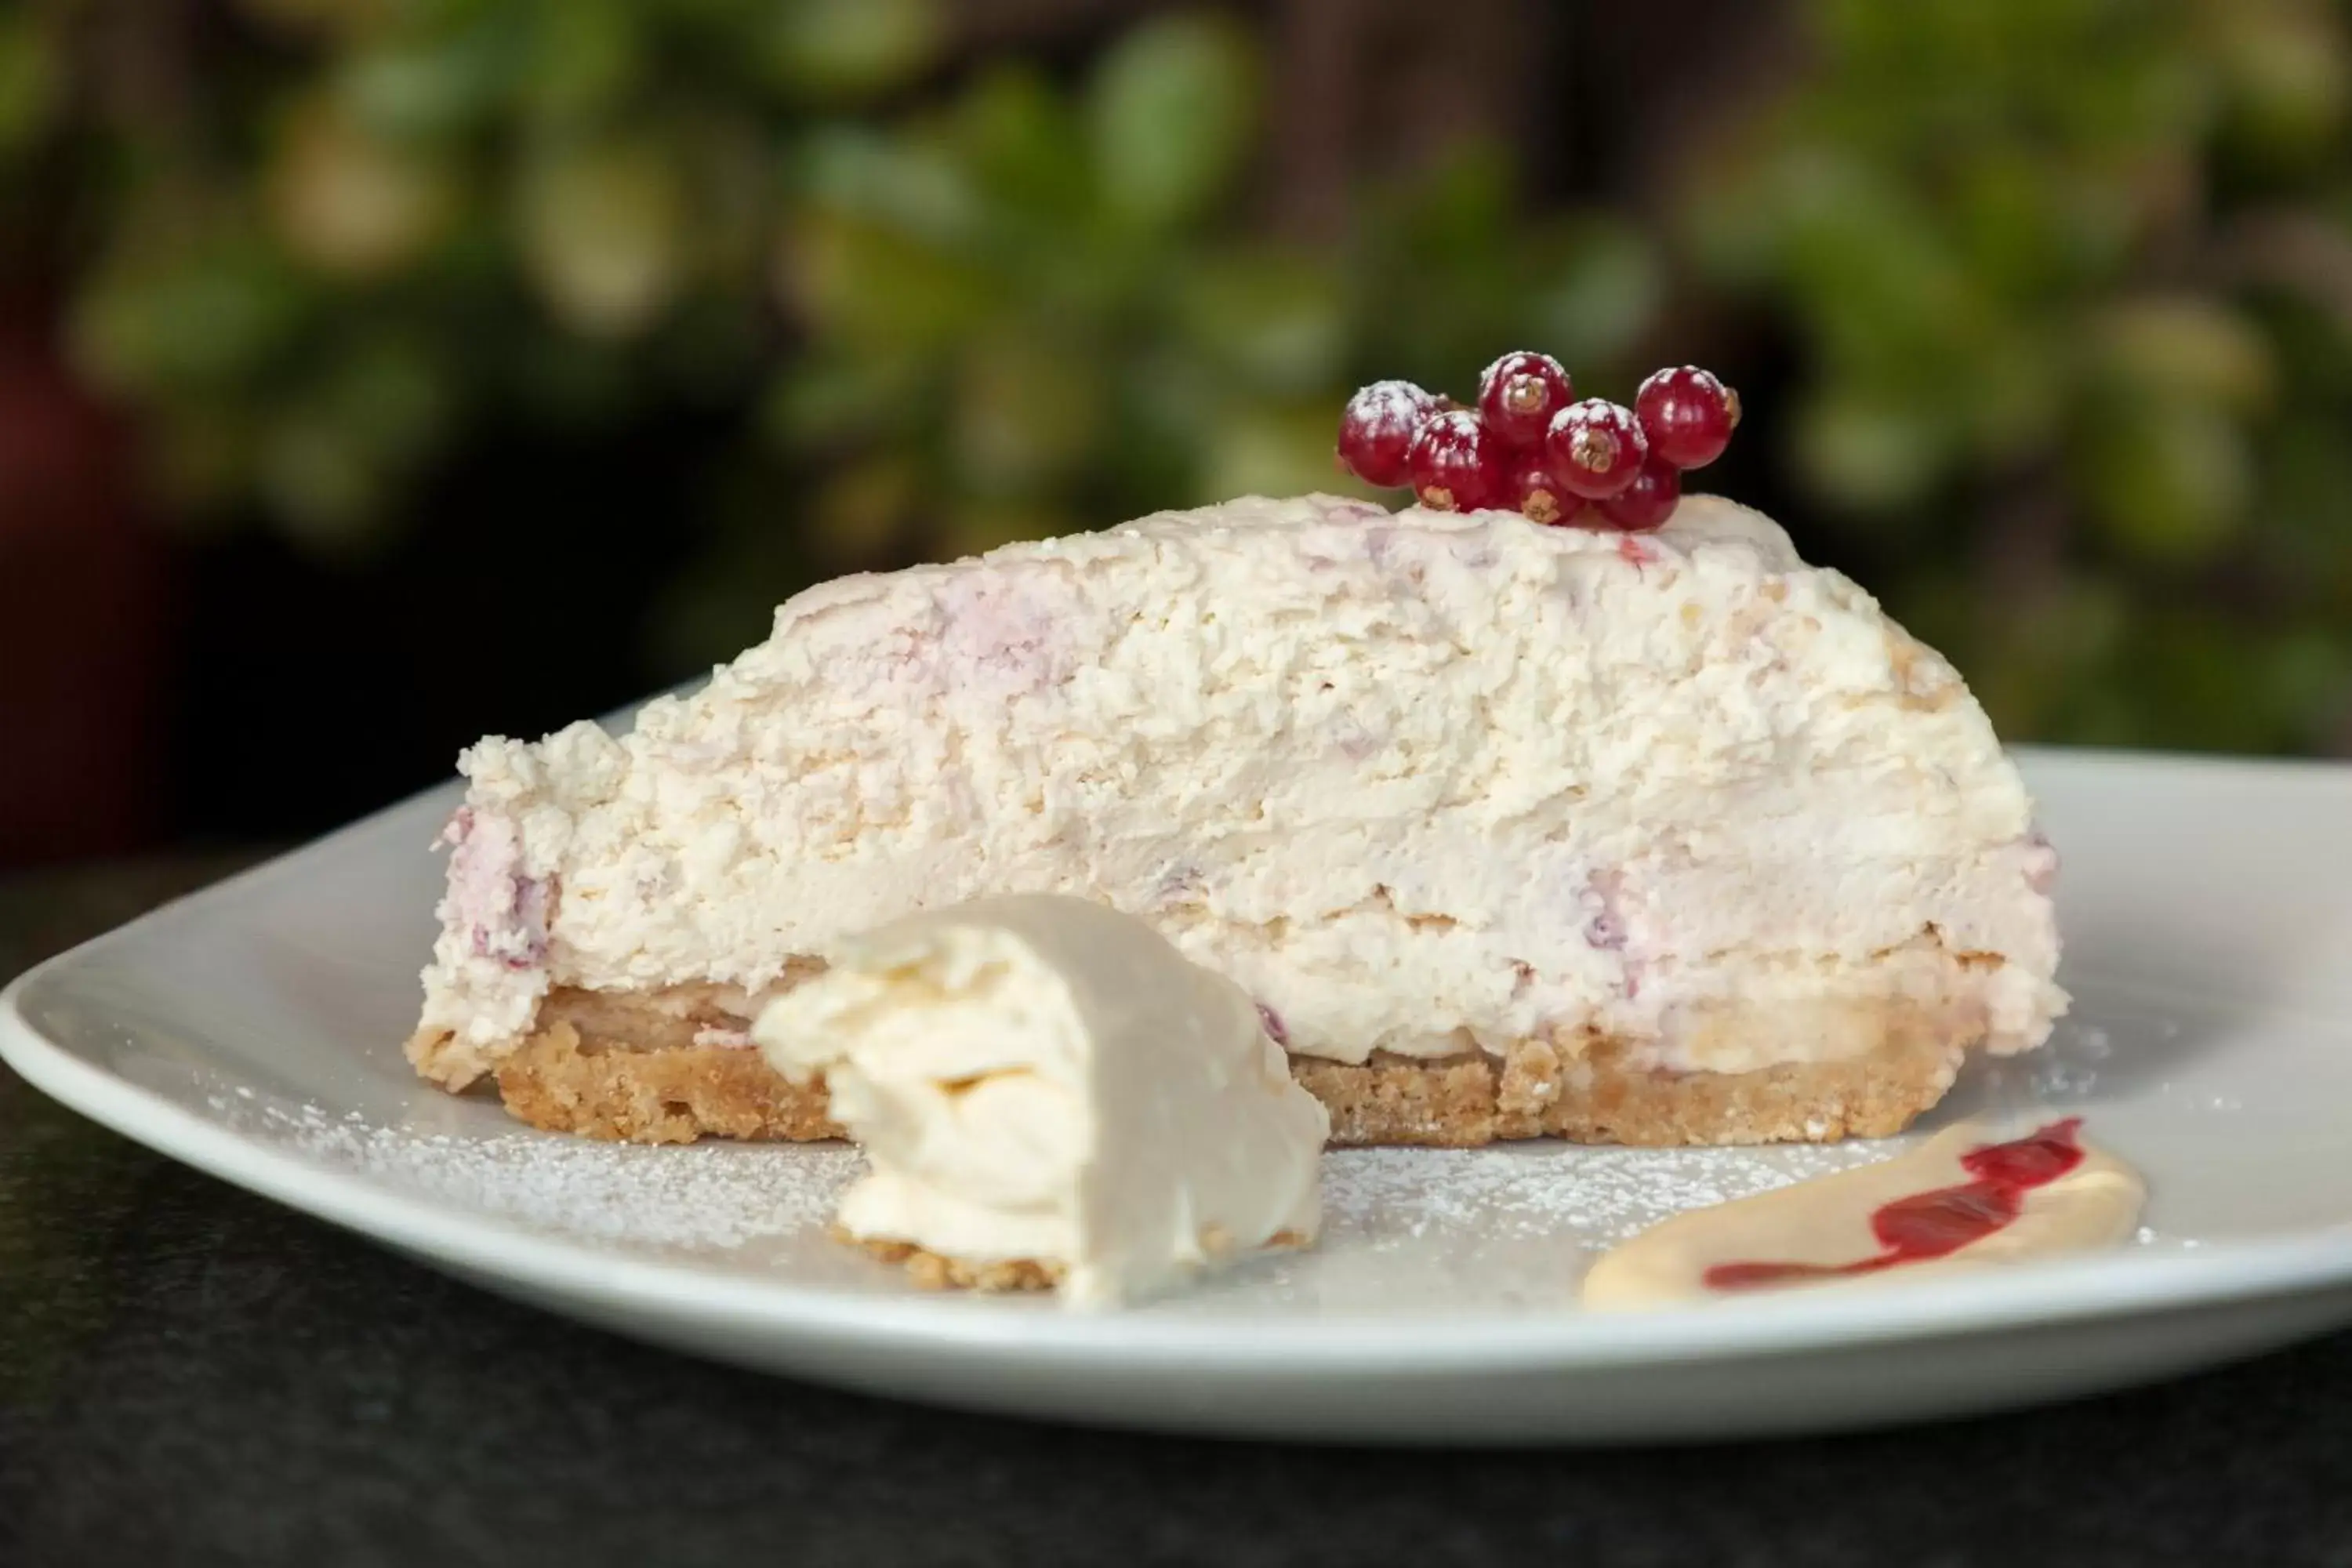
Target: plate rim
[{"x": 1321, "y": 1342}]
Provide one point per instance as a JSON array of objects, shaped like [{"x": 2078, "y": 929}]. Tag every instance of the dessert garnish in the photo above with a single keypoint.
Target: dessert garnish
[
  {"x": 1455, "y": 463},
  {"x": 2045, "y": 1193},
  {"x": 1049, "y": 1094},
  {"x": 1689, "y": 416},
  {"x": 1379, "y": 426},
  {"x": 1534, "y": 493},
  {"x": 1595, "y": 448},
  {"x": 1647, "y": 499},
  {"x": 1519, "y": 394},
  {"x": 1528, "y": 446}
]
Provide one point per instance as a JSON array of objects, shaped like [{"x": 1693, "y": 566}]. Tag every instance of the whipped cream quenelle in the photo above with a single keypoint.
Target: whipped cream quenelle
[
  {"x": 1041, "y": 1081},
  {"x": 1453, "y": 789}
]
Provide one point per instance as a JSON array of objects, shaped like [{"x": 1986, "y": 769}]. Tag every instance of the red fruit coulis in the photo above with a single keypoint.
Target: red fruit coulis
[{"x": 1937, "y": 1224}]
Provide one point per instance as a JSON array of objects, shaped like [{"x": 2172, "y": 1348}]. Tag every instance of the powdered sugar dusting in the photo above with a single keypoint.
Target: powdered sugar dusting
[
  {"x": 1440, "y": 1231},
  {"x": 712, "y": 1196},
  {"x": 1592, "y": 1195},
  {"x": 719, "y": 1196}
]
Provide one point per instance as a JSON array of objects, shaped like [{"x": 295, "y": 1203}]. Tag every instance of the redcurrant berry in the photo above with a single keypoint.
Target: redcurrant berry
[
  {"x": 1595, "y": 448},
  {"x": 1534, "y": 493},
  {"x": 1648, "y": 501},
  {"x": 1519, "y": 395},
  {"x": 1689, "y": 416},
  {"x": 1377, "y": 429},
  {"x": 1455, "y": 464}
]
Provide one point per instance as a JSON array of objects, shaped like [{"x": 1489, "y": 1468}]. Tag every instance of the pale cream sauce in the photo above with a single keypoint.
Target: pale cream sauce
[{"x": 1826, "y": 1223}]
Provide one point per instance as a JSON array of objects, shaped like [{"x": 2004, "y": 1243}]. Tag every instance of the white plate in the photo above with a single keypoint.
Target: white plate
[{"x": 254, "y": 1031}]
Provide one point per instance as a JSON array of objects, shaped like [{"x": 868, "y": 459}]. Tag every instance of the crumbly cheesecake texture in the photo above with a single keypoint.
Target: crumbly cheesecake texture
[
  {"x": 1047, "y": 1091},
  {"x": 1513, "y": 829}
]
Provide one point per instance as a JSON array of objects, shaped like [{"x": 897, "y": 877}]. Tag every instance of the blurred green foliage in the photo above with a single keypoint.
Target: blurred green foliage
[
  {"x": 2071, "y": 284},
  {"x": 945, "y": 312},
  {"x": 2068, "y": 284}
]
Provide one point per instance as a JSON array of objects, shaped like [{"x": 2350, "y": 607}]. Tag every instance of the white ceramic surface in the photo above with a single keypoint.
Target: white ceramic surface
[{"x": 253, "y": 1029}]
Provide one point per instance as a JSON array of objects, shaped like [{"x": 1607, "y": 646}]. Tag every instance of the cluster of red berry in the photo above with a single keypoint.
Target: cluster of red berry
[{"x": 1528, "y": 447}]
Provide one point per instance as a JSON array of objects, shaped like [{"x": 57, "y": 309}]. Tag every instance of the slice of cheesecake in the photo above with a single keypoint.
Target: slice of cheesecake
[{"x": 1513, "y": 830}]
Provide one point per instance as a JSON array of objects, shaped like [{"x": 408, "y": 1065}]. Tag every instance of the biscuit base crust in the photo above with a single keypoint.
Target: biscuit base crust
[
  {"x": 936, "y": 1271},
  {"x": 645, "y": 1070}
]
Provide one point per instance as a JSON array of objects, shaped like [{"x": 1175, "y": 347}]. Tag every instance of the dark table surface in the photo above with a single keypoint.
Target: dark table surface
[{"x": 191, "y": 1374}]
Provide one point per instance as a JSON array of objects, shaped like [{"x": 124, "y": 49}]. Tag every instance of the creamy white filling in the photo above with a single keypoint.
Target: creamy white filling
[
  {"x": 1416, "y": 782},
  {"x": 1043, "y": 1079}
]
